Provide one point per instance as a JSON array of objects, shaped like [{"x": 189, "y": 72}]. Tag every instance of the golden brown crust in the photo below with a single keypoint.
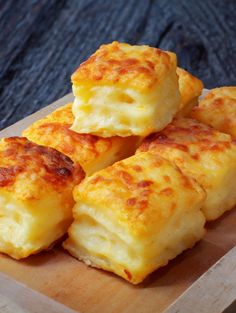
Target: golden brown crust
[
  {"x": 22, "y": 160},
  {"x": 190, "y": 86},
  {"x": 57, "y": 132},
  {"x": 204, "y": 154},
  {"x": 63, "y": 115},
  {"x": 57, "y": 126},
  {"x": 218, "y": 109},
  {"x": 134, "y": 216},
  {"x": 181, "y": 133},
  {"x": 130, "y": 190},
  {"x": 139, "y": 67},
  {"x": 54, "y": 131}
]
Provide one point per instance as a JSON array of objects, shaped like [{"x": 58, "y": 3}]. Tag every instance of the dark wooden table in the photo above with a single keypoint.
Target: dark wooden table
[{"x": 43, "y": 41}]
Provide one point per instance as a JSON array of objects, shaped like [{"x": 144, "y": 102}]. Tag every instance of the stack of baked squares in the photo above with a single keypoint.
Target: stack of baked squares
[{"x": 153, "y": 175}]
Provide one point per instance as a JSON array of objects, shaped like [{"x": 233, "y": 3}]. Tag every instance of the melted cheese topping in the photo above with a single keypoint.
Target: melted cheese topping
[
  {"x": 91, "y": 152},
  {"x": 203, "y": 154},
  {"x": 27, "y": 169},
  {"x": 139, "y": 67}
]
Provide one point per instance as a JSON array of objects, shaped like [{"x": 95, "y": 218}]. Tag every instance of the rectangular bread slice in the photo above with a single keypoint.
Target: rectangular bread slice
[
  {"x": 91, "y": 152},
  {"x": 125, "y": 90},
  {"x": 36, "y": 199},
  {"x": 135, "y": 216},
  {"x": 204, "y": 154}
]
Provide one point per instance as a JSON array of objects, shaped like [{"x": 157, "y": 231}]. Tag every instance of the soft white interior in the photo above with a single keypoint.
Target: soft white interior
[
  {"x": 26, "y": 229},
  {"x": 98, "y": 241},
  {"x": 123, "y": 112}
]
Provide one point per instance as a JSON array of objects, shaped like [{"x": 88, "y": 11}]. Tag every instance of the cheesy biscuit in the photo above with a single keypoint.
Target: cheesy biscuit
[
  {"x": 36, "y": 199},
  {"x": 125, "y": 90},
  {"x": 134, "y": 216},
  {"x": 203, "y": 154}
]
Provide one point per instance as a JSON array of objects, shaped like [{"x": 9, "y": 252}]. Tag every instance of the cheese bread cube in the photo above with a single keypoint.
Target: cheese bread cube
[
  {"x": 203, "y": 154},
  {"x": 35, "y": 196},
  {"x": 135, "y": 216},
  {"x": 190, "y": 88},
  {"x": 125, "y": 90},
  {"x": 91, "y": 152},
  {"x": 218, "y": 109}
]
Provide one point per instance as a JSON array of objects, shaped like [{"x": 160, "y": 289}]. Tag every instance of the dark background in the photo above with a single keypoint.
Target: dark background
[{"x": 42, "y": 42}]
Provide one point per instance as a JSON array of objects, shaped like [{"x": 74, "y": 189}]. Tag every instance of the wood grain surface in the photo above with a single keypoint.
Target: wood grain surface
[{"x": 43, "y": 41}]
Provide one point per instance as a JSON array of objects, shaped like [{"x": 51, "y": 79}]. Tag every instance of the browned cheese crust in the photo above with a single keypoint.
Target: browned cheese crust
[
  {"x": 204, "y": 154},
  {"x": 23, "y": 162},
  {"x": 112, "y": 64},
  {"x": 84, "y": 149}
]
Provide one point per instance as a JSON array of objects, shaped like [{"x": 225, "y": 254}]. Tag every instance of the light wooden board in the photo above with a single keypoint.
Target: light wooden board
[
  {"x": 88, "y": 290},
  {"x": 15, "y": 297},
  {"x": 214, "y": 291}
]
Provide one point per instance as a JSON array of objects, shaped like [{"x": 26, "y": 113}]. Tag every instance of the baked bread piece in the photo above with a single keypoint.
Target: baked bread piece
[
  {"x": 135, "y": 216},
  {"x": 218, "y": 109},
  {"x": 203, "y": 154},
  {"x": 125, "y": 90},
  {"x": 190, "y": 88},
  {"x": 91, "y": 152},
  {"x": 35, "y": 196}
]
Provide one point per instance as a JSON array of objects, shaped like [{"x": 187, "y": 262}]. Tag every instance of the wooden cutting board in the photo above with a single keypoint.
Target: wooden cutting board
[{"x": 61, "y": 277}]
